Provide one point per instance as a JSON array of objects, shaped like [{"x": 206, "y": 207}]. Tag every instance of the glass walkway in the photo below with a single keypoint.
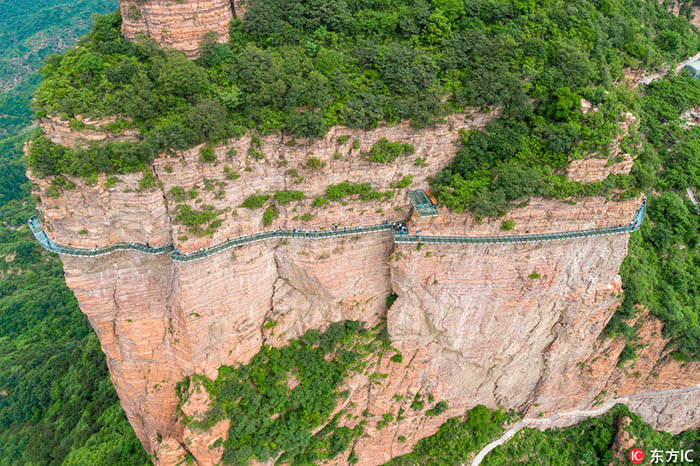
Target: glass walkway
[
  {"x": 403, "y": 237},
  {"x": 400, "y": 235},
  {"x": 47, "y": 243},
  {"x": 422, "y": 203}
]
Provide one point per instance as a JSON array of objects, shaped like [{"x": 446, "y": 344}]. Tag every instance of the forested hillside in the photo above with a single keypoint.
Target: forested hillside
[
  {"x": 290, "y": 68},
  {"x": 592, "y": 442},
  {"x": 57, "y": 404},
  {"x": 30, "y": 30}
]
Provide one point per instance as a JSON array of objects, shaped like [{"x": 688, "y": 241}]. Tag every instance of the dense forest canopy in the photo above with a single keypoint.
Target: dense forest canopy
[
  {"x": 662, "y": 270},
  {"x": 30, "y": 31},
  {"x": 301, "y": 67},
  {"x": 57, "y": 404},
  {"x": 304, "y": 66}
]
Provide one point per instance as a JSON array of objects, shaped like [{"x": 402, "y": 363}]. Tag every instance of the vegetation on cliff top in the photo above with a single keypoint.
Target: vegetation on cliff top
[{"x": 300, "y": 68}]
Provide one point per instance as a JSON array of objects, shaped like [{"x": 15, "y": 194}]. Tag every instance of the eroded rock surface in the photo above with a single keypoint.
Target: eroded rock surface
[
  {"x": 180, "y": 24},
  {"x": 520, "y": 325}
]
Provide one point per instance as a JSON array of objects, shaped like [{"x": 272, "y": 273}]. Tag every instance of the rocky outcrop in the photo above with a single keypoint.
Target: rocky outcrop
[
  {"x": 180, "y": 24},
  {"x": 595, "y": 169},
  {"x": 92, "y": 215},
  {"x": 517, "y": 325},
  {"x": 86, "y": 131},
  {"x": 538, "y": 216},
  {"x": 249, "y": 166},
  {"x": 624, "y": 441}
]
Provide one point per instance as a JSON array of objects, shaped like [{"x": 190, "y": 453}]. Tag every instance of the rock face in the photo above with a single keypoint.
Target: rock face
[
  {"x": 91, "y": 131},
  {"x": 517, "y": 325},
  {"x": 245, "y": 167},
  {"x": 180, "y": 24}
]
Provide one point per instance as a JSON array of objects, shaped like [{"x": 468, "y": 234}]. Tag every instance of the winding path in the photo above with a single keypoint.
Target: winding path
[
  {"x": 510, "y": 433},
  {"x": 400, "y": 235},
  {"x": 655, "y": 76}
]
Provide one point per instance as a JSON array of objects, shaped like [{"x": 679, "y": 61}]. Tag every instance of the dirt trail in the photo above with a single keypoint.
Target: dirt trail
[
  {"x": 655, "y": 76},
  {"x": 542, "y": 422}
]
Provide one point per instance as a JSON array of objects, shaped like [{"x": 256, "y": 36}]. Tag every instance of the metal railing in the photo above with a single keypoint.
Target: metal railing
[
  {"x": 400, "y": 235},
  {"x": 403, "y": 237},
  {"x": 50, "y": 245},
  {"x": 240, "y": 241},
  {"x": 175, "y": 255}
]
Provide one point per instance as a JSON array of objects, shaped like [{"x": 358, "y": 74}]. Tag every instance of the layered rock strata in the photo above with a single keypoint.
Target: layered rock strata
[
  {"x": 90, "y": 131},
  {"x": 251, "y": 166},
  {"x": 180, "y": 24},
  {"x": 516, "y": 325}
]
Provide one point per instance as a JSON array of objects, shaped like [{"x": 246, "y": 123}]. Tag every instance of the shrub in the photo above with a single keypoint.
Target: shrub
[
  {"x": 200, "y": 222},
  {"x": 417, "y": 404},
  {"x": 439, "y": 408},
  {"x": 178, "y": 193},
  {"x": 385, "y": 151},
  {"x": 338, "y": 191},
  {"x": 255, "y": 201},
  {"x": 230, "y": 174},
  {"x": 255, "y": 154},
  {"x": 207, "y": 154},
  {"x": 148, "y": 181},
  {"x": 507, "y": 225},
  {"x": 286, "y": 197},
  {"x": 403, "y": 183},
  {"x": 270, "y": 214},
  {"x": 314, "y": 163}
]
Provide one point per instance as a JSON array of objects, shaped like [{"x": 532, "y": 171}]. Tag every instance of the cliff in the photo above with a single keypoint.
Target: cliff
[
  {"x": 517, "y": 325},
  {"x": 180, "y": 24},
  {"x": 245, "y": 167}
]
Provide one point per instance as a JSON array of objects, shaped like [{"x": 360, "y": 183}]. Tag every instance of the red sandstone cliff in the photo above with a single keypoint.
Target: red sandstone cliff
[
  {"x": 179, "y": 24},
  {"x": 472, "y": 324}
]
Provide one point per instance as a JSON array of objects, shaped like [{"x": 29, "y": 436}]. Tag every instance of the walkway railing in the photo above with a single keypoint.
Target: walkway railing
[
  {"x": 400, "y": 234},
  {"x": 334, "y": 233},
  {"x": 403, "y": 237},
  {"x": 175, "y": 255},
  {"x": 50, "y": 245}
]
